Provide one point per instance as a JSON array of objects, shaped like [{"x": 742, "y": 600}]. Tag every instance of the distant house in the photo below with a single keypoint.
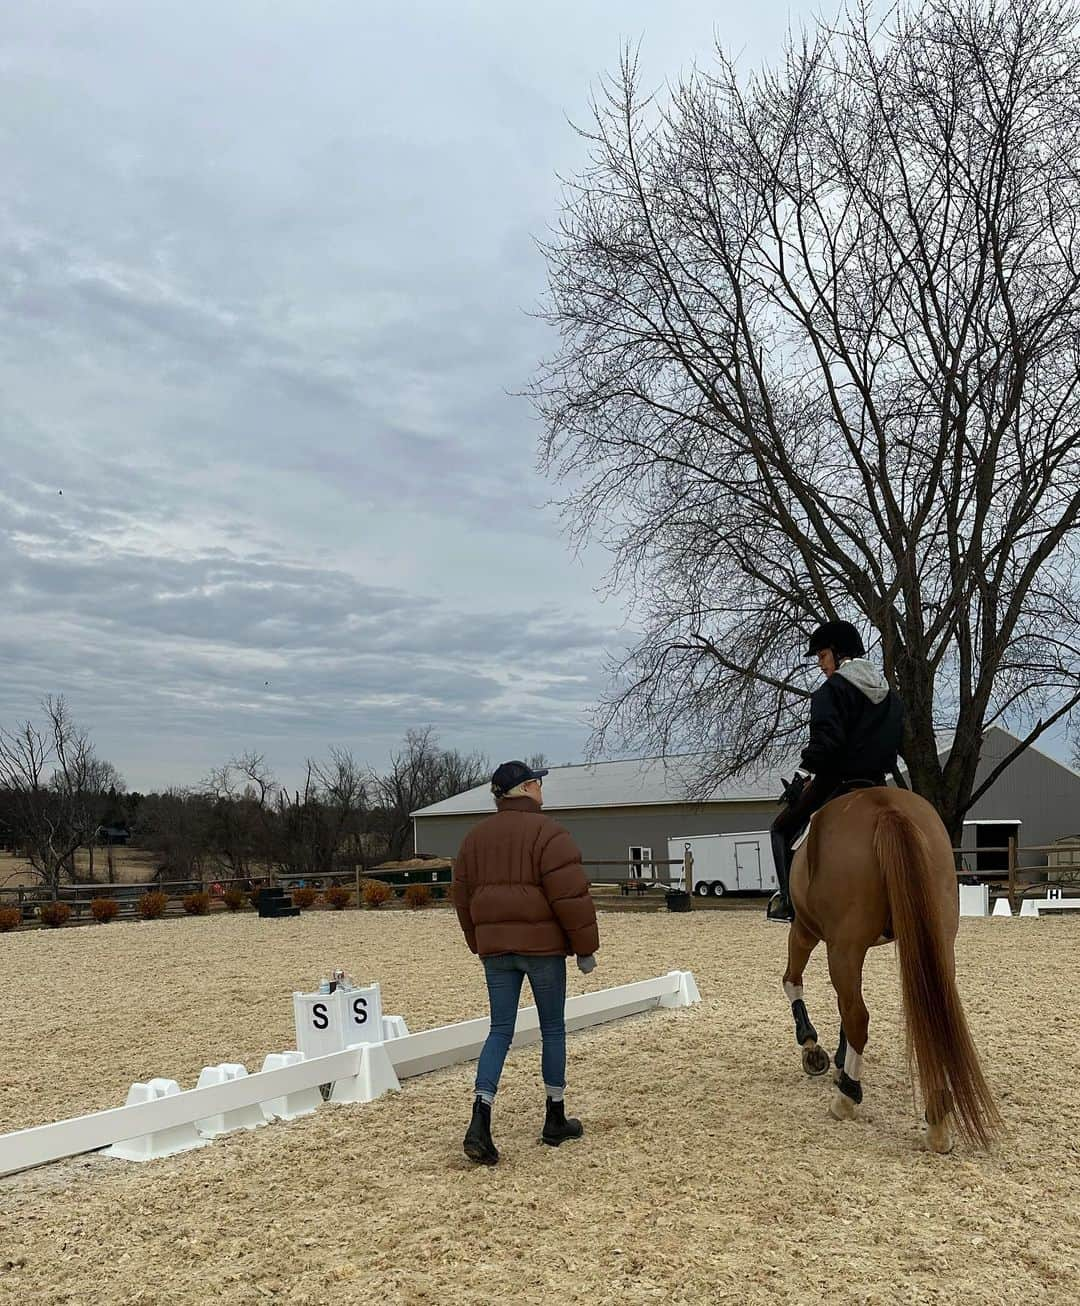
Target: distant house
[
  {"x": 632, "y": 808},
  {"x": 112, "y": 834}
]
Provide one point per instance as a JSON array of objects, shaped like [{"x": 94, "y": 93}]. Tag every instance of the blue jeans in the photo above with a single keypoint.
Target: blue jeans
[{"x": 547, "y": 979}]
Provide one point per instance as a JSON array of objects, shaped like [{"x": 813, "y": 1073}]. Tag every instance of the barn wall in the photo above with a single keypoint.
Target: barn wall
[
  {"x": 607, "y": 833},
  {"x": 1034, "y": 789}
]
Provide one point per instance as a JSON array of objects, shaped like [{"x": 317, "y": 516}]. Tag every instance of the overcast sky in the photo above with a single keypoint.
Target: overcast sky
[{"x": 265, "y": 287}]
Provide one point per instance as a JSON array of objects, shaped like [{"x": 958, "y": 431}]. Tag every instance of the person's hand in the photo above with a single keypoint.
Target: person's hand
[{"x": 586, "y": 964}]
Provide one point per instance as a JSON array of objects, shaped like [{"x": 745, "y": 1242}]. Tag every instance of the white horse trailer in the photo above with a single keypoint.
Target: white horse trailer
[{"x": 726, "y": 863}]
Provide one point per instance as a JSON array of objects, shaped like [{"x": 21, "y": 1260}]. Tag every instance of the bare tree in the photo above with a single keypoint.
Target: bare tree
[
  {"x": 420, "y": 774},
  {"x": 177, "y": 827},
  {"x": 242, "y": 834},
  {"x": 820, "y": 355},
  {"x": 57, "y": 789},
  {"x": 322, "y": 824}
]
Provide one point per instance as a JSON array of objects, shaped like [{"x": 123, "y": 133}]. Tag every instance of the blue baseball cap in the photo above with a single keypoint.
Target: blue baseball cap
[{"x": 509, "y": 775}]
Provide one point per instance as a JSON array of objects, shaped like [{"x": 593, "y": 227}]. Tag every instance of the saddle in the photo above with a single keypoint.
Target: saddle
[{"x": 847, "y": 787}]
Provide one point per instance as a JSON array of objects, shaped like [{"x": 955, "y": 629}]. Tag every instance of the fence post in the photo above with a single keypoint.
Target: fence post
[
  {"x": 356, "y": 870},
  {"x": 1012, "y": 872}
]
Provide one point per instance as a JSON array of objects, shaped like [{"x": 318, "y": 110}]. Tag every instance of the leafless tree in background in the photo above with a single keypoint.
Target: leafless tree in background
[
  {"x": 820, "y": 356},
  {"x": 323, "y": 824},
  {"x": 57, "y": 790},
  {"x": 420, "y": 774}
]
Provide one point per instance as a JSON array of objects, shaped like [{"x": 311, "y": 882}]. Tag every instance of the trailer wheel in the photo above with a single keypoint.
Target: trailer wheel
[
  {"x": 701, "y": 889},
  {"x": 716, "y": 889}
]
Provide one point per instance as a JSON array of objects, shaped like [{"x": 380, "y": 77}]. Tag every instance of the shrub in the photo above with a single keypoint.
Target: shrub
[
  {"x": 9, "y": 918},
  {"x": 303, "y": 898},
  {"x": 376, "y": 892},
  {"x": 253, "y": 897},
  {"x": 197, "y": 904},
  {"x": 54, "y": 914},
  {"x": 153, "y": 904},
  {"x": 234, "y": 898},
  {"x": 418, "y": 896},
  {"x": 104, "y": 909},
  {"x": 338, "y": 896}
]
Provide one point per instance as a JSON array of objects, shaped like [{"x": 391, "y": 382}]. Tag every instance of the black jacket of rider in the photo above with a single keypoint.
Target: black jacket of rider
[{"x": 856, "y": 725}]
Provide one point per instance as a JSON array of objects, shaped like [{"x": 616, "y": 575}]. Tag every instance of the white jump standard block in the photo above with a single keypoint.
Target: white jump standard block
[
  {"x": 163, "y": 1142},
  {"x": 1028, "y": 907},
  {"x": 375, "y": 1076},
  {"x": 686, "y": 994},
  {"x": 394, "y": 1027},
  {"x": 1002, "y": 908},
  {"x": 301, "y": 1103},
  {"x": 248, "y": 1116}
]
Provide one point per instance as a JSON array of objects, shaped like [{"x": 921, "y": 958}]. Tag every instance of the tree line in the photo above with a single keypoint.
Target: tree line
[{"x": 57, "y": 795}]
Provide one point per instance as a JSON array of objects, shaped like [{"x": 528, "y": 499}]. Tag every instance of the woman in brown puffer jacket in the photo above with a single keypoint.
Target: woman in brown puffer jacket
[{"x": 524, "y": 904}]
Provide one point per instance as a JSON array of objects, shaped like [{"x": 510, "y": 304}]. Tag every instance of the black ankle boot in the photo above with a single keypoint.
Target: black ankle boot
[
  {"x": 779, "y": 909},
  {"x": 478, "y": 1144},
  {"x": 557, "y": 1128}
]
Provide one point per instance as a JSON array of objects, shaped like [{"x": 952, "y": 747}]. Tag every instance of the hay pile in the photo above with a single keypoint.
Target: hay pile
[{"x": 709, "y": 1172}]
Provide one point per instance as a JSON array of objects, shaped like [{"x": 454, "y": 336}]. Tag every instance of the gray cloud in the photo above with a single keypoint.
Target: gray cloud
[{"x": 265, "y": 281}]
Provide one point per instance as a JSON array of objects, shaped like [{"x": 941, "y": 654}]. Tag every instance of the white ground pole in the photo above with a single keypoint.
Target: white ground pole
[{"x": 161, "y": 1114}]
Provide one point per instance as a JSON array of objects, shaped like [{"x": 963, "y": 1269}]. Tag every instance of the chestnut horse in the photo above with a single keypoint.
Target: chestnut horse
[{"x": 878, "y": 866}]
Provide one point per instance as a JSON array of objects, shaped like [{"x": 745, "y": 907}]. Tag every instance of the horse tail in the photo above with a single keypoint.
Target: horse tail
[{"x": 939, "y": 1044}]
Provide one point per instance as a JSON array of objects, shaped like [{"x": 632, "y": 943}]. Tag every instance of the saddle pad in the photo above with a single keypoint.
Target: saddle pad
[{"x": 804, "y": 836}]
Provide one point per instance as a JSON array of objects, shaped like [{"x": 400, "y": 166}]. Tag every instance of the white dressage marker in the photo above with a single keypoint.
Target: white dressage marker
[{"x": 974, "y": 900}]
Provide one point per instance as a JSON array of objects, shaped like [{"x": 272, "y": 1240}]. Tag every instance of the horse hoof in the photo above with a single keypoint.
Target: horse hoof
[
  {"x": 815, "y": 1060},
  {"x": 939, "y": 1138},
  {"x": 841, "y": 1107}
]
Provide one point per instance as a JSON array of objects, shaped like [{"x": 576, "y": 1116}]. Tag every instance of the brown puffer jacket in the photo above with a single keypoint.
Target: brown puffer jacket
[{"x": 519, "y": 886}]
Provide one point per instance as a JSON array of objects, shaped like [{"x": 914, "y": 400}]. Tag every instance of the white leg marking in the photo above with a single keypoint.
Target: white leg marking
[
  {"x": 793, "y": 992},
  {"x": 853, "y": 1064}
]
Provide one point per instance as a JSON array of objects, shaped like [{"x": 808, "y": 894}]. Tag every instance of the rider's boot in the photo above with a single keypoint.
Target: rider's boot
[{"x": 780, "y": 908}]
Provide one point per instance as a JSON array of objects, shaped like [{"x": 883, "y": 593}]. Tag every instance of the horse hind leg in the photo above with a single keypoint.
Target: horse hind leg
[
  {"x": 939, "y": 1134},
  {"x": 845, "y": 970},
  {"x": 815, "y": 1060}
]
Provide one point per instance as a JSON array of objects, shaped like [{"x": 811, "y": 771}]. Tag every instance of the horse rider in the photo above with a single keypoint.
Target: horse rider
[{"x": 856, "y": 728}]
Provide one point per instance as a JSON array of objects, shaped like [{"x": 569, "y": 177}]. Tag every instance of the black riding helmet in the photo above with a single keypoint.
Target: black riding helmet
[{"x": 841, "y": 636}]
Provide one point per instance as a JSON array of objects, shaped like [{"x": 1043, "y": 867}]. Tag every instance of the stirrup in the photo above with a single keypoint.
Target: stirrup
[{"x": 779, "y": 909}]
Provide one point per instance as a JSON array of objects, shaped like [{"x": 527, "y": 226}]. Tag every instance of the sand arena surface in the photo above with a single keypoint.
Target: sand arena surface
[{"x": 709, "y": 1171}]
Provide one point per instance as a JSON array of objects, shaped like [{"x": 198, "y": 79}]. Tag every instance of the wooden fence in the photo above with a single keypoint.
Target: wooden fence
[
  {"x": 28, "y": 897},
  {"x": 1022, "y": 881}
]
